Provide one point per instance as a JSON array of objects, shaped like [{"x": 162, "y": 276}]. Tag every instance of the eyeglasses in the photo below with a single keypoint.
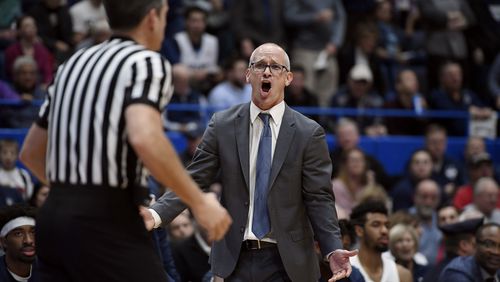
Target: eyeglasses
[
  {"x": 274, "y": 68},
  {"x": 488, "y": 244}
]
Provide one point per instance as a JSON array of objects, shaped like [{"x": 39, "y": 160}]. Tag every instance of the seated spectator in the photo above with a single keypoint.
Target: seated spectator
[
  {"x": 40, "y": 194},
  {"x": 197, "y": 49},
  {"x": 451, "y": 95},
  {"x": 54, "y": 27},
  {"x": 494, "y": 81},
  {"x": 297, "y": 94},
  {"x": 183, "y": 94},
  {"x": 347, "y": 138},
  {"x": 484, "y": 265},
  {"x": 419, "y": 168},
  {"x": 484, "y": 204},
  {"x": 193, "y": 138},
  {"x": 459, "y": 240},
  {"x": 359, "y": 95},
  {"x": 10, "y": 175},
  {"x": 408, "y": 97},
  {"x": 447, "y": 215},
  {"x": 83, "y": 14},
  {"x": 28, "y": 45},
  {"x": 448, "y": 172},
  {"x": 479, "y": 166},
  {"x": 234, "y": 89},
  {"x": 17, "y": 238},
  {"x": 354, "y": 176},
  {"x": 403, "y": 245},
  {"x": 427, "y": 196},
  {"x": 181, "y": 227}
]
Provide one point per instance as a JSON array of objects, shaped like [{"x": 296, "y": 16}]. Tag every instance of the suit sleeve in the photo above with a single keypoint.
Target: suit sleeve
[
  {"x": 318, "y": 194},
  {"x": 202, "y": 169}
]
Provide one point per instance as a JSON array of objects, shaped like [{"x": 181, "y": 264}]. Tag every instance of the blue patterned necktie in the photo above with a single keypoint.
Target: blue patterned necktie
[{"x": 261, "y": 224}]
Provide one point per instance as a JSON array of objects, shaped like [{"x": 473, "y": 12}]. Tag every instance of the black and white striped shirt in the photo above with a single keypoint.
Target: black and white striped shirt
[{"x": 84, "y": 113}]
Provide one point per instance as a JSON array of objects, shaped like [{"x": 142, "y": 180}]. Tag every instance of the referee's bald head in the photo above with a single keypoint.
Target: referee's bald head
[{"x": 127, "y": 15}]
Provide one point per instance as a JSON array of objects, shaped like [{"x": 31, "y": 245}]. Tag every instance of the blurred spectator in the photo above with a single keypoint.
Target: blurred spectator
[
  {"x": 486, "y": 197},
  {"x": 28, "y": 44},
  {"x": 371, "y": 226},
  {"x": 426, "y": 202},
  {"x": 10, "y": 175},
  {"x": 459, "y": 240},
  {"x": 181, "y": 227},
  {"x": 419, "y": 168},
  {"x": 494, "y": 81},
  {"x": 473, "y": 147},
  {"x": 191, "y": 256},
  {"x": 447, "y": 215},
  {"x": 362, "y": 51},
  {"x": 256, "y": 22},
  {"x": 479, "y": 166},
  {"x": 186, "y": 120},
  {"x": 347, "y": 138},
  {"x": 445, "y": 22},
  {"x": 447, "y": 171},
  {"x": 408, "y": 97},
  {"x": 17, "y": 238},
  {"x": 451, "y": 95},
  {"x": 40, "y": 194},
  {"x": 297, "y": 94},
  {"x": 193, "y": 138},
  {"x": 83, "y": 15},
  {"x": 403, "y": 217},
  {"x": 196, "y": 49},
  {"x": 359, "y": 95},
  {"x": 354, "y": 176},
  {"x": 318, "y": 33},
  {"x": 484, "y": 265},
  {"x": 10, "y": 10},
  {"x": 403, "y": 245},
  {"x": 234, "y": 89},
  {"x": 99, "y": 32},
  {"x": 358, "y": 12},
  {"x": 54, "y": 27}
]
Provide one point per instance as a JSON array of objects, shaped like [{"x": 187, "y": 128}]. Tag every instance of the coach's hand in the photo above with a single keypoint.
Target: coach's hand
[{"x": 212, "y": 217}]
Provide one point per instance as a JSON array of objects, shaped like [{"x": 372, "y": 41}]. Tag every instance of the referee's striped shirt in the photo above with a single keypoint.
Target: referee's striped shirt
[{"x": 84, "y": 113}]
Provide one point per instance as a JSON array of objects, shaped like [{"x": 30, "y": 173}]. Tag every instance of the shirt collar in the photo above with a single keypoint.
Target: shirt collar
[{"x": 276, "y": 112}]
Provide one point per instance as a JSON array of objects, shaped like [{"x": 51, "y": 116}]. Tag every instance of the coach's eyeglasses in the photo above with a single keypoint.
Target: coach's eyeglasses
[
  {"x": 488, "y": 244},
  {"x": 274, "y": 68}
]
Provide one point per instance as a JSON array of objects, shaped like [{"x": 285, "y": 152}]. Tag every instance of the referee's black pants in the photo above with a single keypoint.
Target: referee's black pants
[{"x": 94, "y": 234}]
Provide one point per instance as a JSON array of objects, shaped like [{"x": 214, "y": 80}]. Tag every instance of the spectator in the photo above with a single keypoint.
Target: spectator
[
  {"x": 11, "y": 10},
  {"x": 403, "y": 245},
  {"x": 27, "y": 44},
  {"x": 449, "y": 173},
  {"x": 494, "y": 81},
  {"x": 354, "y": 176},
  {"x": 479, "y": 166},
  {"x": 181, "y": 227},
  {"x": 484, "y": 265},
  {"x": 193, "y": 138},
  {"x": 297, "y": 94},
  {"x": 426, "y": 202},
  {"x": 40, "y": 194},
  {"x": 486, "y": 197},
  {"x": 360, "y": 95},
  {"x": 234, "y": 89},
  {"x": 347, "y": 138},
  {"x": 55, "y": 27},
  {"x": 256, "y": 22},
  {"x": 408, "y": 97},
  {"x": 17, "y": 238},
  {"x": 445, "y": 22},
  {"x": 451, "y": 95},
  {"x": 319, "y": 31},
  {"x": 10, "y": 175},
  {"x": 459, "y": 240},
  {"x": 196, "y": 49},
  {"x": 447, "y": 215},
  {"x": 183, "y": 94},
  {"x": 83, "y": 15},
  {"x": 371, "y": 226},
  {"x": 419, "y": 168}
]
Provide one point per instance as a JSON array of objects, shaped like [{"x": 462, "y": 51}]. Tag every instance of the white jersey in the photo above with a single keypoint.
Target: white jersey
[{"x": 389, "y": 271}]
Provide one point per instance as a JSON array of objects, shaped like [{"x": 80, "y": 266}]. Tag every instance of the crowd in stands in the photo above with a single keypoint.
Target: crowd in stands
[{"x": 414, "y": 55}]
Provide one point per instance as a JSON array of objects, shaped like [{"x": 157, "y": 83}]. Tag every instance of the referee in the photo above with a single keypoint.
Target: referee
[{"x": 97, "y": 134}]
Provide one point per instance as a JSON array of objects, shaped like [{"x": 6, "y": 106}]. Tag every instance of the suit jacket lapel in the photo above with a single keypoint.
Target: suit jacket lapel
[
  {"x": 242, "y": 129},
  {"x": 285, "y": 137}
]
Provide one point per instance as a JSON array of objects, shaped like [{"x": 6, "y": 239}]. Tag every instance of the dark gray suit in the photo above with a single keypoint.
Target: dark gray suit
[{"x": 300, "y": 200}]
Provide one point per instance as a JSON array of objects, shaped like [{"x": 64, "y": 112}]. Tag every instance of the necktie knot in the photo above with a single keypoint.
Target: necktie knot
[{"x": 265, "y": 118}]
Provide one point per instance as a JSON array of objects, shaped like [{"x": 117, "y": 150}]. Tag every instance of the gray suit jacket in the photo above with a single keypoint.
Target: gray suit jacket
[{"x": 300, "y": 200}]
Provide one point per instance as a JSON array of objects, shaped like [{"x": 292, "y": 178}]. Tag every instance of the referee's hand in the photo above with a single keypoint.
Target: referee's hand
[{"x": 212, "y": 217}]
